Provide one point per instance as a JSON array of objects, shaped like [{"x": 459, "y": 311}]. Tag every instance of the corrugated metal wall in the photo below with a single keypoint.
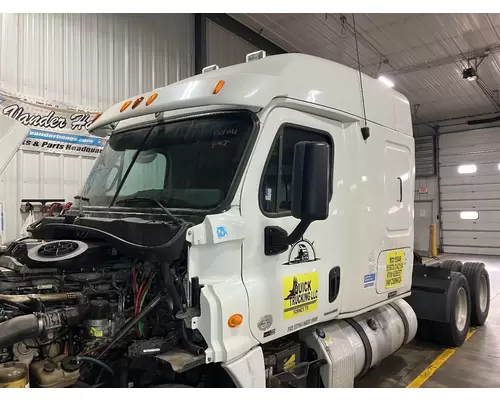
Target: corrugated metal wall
[
  {"x": 94, "y": 60},
  {"x": 225, "y": 48},
  {"x": 89, "y": 60},
  {"x": 432, "y": 196},
  {"x": 39, "y": 175},
  {"x": 426, "y": 179}
]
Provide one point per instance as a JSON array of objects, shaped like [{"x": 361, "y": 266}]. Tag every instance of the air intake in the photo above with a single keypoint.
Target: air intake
[{"x": 57, "y": 250}]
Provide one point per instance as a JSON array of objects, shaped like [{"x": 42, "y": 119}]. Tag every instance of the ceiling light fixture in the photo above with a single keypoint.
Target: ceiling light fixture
[
  {"x": 469, "y": 74},
  {"x": 387, "y": 81}
]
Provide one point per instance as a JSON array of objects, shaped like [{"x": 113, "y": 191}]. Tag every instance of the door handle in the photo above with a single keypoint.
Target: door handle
[
  {"x": 400, "y": 189},
  {"x": 334, "y": 284}
]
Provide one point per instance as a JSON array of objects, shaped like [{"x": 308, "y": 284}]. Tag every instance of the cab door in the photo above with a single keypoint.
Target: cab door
[{"x": 303, "y": 285}]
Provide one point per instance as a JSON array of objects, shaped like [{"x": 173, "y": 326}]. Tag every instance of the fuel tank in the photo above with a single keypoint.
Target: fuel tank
[{"x": 352, "y": 346}]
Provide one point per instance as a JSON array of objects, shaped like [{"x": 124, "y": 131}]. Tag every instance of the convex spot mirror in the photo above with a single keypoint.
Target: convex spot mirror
[{"x": 311, "y": 181}]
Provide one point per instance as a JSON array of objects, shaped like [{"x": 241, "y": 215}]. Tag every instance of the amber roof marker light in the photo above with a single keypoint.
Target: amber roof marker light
[
  {"x": 151, "y": 98},
  {"x": 137, "y": 102},
  {"x": 125, "y": 105},
  {"x": 218, "y": 87}
]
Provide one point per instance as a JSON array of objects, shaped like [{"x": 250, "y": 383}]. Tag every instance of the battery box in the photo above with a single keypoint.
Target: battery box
[{"x": 281, "y": 356}]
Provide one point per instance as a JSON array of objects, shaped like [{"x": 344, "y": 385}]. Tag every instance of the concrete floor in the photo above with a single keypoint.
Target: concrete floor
[{"x": 482, "y": 351}]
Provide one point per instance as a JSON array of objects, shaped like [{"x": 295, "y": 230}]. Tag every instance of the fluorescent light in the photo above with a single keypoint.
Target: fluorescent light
[
  {"x": 469, "y": 215},
  {"x": 387, "y": 81},
  {"x": 467, "y": 169}
]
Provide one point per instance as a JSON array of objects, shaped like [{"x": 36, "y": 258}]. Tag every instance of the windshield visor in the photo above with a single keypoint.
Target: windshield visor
[{"x": 187, "y": 164}]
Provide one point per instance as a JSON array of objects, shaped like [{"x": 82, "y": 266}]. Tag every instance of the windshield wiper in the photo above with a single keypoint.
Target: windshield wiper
[
  {"x": 151, "y": 199},
  {"x": 80, "y": 206}
]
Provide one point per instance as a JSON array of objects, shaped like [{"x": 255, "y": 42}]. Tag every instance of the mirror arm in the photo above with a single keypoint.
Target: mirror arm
[{"x": 277, "y": 240}]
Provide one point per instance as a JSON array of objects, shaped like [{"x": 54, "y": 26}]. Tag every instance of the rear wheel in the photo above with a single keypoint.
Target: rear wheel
[
  {"x": 454, "y": 332},
  {"x": 479, "y": 283},
  {"x": 453, "y": 265},
  {"x": 173, "y": 385}
]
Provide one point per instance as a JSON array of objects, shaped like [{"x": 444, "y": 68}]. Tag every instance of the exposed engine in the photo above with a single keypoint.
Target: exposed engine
[{"x": 86, "y": 313}]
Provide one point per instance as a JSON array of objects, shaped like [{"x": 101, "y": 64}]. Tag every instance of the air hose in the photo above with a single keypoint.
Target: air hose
[
  {"x": 130, "y": 325},
  {"x": 32, "y": 325},
  {"x": 20, "y": 328}
]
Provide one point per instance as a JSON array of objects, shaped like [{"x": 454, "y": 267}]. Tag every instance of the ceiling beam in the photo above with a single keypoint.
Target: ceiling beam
[
  {"x": 445, "y": 60},
  {"x": 200, "y": 43},
  {"x": 245, "y": 33}
]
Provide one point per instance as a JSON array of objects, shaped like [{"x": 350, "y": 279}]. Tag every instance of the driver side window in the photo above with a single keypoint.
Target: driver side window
[{"x": 276, "y": 183}]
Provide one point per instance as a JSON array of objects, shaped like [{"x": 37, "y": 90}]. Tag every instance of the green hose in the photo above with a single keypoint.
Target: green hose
[{"x": 141, "y": 330}]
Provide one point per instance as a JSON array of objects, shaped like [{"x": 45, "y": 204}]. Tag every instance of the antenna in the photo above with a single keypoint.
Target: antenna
[{"x": 365, "y": 130}]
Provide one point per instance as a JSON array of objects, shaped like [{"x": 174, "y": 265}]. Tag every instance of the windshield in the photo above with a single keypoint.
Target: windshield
[{"x": 188, "y": 164}]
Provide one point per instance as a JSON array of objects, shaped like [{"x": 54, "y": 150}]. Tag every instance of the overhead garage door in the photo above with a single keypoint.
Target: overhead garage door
[{"x": 469, "y": 165}]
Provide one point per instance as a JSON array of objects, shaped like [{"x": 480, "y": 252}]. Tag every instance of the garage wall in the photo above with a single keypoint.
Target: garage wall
[
  {"x": 93, "y": 60},
  {"x": 426, "y": 192},
  {"x": 88, "y": 61},
  {"x": 36, "y": 175},
  {"x": 225, "y": 48},
  {"x": 426, "y": 212},
  {"x": 470, "y": 191}
]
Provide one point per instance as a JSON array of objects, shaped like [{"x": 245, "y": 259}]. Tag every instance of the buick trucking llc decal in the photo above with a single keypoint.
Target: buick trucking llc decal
[{"x": 300, "y": 294}]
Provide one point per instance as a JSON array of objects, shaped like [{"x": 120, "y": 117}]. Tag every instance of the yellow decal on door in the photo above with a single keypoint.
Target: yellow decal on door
[
  {"x": 300, "y": 294},
  {"x": 394, "y": 267}
]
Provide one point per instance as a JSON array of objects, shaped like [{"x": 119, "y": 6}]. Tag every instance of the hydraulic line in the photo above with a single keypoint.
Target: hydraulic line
[
  {"x": 93, "y": 360},
  {"x": 130, "y": 325}
]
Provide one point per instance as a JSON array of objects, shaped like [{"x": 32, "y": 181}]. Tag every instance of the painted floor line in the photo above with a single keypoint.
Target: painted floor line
[{"x": 437, "y": 363}]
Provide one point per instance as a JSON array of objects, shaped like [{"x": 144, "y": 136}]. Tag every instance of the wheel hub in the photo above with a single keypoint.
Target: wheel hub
[
  {"x": 483, "y": 293},
  {"x": 461, "y": 309}
]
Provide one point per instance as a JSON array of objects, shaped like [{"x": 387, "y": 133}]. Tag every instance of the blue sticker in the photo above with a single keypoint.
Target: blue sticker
[
  {"x": 369, "y": 280},
  {"x": 221, "y": 232},
  {"x": 66, "y": 138}
]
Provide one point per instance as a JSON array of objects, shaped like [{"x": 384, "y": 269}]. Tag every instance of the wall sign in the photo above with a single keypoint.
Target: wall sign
[
  {"x": 40, "y": 114},
  {"x": 56, "y": 128},
  {"x": 51, "y": 142}
]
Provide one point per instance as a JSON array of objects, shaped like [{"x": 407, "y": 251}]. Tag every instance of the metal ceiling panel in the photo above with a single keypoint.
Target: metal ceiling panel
[{"x": 417, "y": 46}]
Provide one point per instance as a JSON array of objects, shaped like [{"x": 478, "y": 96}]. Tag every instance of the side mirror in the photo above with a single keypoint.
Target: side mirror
[
  {"x": 310, "y": 197},
  {"x": 311, "y": 181}
]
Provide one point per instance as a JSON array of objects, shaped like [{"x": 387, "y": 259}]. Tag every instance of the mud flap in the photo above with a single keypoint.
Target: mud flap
[{"x": 430, "y": 295}]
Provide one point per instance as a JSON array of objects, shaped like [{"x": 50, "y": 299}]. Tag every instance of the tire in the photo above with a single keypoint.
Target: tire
[
  {"x": 453, "y": 333},
  {"x": 479, "y": 283},
  {"x": 453, "y": 265},
  {"x": 173, "y": 385},
  {"x": 417, "y": 258}
]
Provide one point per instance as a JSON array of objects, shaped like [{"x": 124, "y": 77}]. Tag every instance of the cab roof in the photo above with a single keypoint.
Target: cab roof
[{"x": 254, "y": 84}]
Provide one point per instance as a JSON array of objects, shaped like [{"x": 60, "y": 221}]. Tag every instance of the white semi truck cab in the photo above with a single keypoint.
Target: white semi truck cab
[{"x": 285, "y": 190}]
